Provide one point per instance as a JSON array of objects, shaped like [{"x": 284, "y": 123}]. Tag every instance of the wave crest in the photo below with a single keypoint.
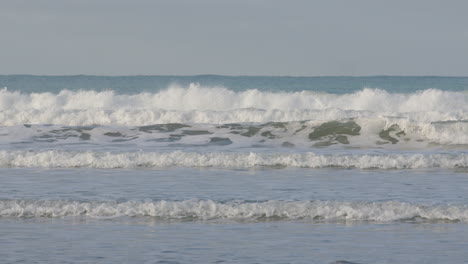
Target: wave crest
[{"x": 215, "y": 105}]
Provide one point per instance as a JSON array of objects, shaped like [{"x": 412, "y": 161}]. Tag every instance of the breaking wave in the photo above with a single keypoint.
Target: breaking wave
[
  {"x": 108, "y": 160},
  {"x": 215, "y": 105},
  {"x": 208, "y": 209}
]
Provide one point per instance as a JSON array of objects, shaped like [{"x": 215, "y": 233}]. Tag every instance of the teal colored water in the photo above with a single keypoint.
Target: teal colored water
[{"x": 137, "y": 84}]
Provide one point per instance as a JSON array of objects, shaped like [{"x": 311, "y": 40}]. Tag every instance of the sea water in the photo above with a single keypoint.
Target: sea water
[{"x": 217, "y": 169}]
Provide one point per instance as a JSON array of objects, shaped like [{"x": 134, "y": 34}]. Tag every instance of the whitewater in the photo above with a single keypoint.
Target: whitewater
[
  {"x": 109, "y": 160},
  {"x": 253, "y": 164},
  {"x": 318, "y": 210},
  {"x": 195, "y": 104}
]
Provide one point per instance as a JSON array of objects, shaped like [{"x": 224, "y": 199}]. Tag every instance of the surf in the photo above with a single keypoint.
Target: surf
[
  {"x": 141, "y": 159},
  {"x": 197, "y": 97},
  {"x": 381, "y": 132},
  {"x": 389, "y": 211}
]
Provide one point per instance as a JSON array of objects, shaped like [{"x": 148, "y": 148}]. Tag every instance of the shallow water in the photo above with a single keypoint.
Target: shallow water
[
  {"x": 434, "y": 186},
  {"x": 147, "y": 241}
]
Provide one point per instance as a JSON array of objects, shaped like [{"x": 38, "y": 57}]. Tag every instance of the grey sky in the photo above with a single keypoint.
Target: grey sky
[{"x": 241, "y": 37}]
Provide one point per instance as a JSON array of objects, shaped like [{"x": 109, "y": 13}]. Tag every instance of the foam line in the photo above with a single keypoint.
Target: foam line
[
  {"x": 108, "y": 160},
  {"x": 208, "y": 209}
]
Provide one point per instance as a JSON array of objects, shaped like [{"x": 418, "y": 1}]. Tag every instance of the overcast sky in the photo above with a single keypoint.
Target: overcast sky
[{"x": 238, "y": 37}]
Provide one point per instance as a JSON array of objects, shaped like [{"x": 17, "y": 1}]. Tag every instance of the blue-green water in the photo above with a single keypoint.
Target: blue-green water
[{"x": 137, "y": 84}]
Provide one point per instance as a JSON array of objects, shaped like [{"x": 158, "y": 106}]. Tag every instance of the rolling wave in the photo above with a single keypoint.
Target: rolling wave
[
  {"x": 109, "y": 160},
  {"x": 143, "y": 117},
  {"x": 216, "y": 105},
  {"x": 207, "y": 209}
]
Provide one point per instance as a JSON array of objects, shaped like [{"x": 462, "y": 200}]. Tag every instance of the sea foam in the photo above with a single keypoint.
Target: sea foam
[
  {"x": 109, "y": 160},
  {"x": 208, "y": 209}
]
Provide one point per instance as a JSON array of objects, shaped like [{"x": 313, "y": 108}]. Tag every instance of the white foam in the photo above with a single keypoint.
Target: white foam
[
  {"x": 196, "y": 104},
  {"x": 207, "y": 209},
  {"x": 415, "y": 134},
  {"x": 143, "y": 117},
  {"x": 89, "y": 159}
]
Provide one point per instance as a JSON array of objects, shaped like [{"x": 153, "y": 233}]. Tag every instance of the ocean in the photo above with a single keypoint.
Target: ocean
[{"x": 233, "y": 169}]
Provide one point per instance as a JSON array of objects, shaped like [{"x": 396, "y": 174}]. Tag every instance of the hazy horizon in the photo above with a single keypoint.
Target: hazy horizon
[{"x": 227, "y": 75}]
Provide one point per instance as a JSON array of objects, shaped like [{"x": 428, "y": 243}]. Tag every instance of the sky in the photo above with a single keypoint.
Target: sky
[{"x": 238, "y": 37}]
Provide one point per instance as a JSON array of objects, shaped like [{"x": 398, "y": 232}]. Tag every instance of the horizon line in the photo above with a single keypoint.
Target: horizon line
[{"x": 224, "y": 75}]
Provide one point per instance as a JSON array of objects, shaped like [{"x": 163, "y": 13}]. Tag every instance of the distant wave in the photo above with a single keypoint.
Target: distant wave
[
  {"x": 197, "y": 104},
  {"x": 89, "y": 159},
  {"x": 207, "y": 209}
]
